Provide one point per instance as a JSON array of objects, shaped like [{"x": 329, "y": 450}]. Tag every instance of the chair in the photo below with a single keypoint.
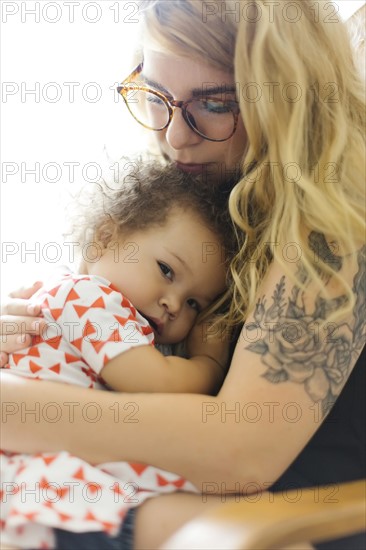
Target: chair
[{"x": 277, "y": 520}]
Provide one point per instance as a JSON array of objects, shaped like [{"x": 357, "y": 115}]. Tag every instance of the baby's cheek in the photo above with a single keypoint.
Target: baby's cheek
[{"x": 180, "y": 331}]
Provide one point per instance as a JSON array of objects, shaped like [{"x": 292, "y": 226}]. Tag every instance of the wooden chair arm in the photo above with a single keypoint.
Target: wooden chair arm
[{"x": 269, "y": 521}]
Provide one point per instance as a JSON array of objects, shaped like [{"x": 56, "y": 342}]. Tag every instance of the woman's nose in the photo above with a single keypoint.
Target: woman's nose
[{"x": 178, "y": 134}]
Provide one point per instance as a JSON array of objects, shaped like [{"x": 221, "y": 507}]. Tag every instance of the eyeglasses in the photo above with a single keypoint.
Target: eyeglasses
[{"x": 211, "y": 118}]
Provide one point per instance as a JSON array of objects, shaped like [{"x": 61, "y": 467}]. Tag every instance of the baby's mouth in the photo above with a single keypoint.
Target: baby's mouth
[{"x": 155, "y": 324}]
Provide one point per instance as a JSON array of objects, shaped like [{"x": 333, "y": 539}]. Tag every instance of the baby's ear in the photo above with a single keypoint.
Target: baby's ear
[{"x": 105, "y": 235}]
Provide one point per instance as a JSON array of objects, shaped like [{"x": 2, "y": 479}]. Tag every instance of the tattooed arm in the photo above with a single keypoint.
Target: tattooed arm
[{"x": 289, "y": 366}]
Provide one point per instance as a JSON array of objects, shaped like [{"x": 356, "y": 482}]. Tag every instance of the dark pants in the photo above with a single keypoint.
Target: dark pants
[
  {"x": 356, "y": 542},
  {"x": 65, "y": 540}
]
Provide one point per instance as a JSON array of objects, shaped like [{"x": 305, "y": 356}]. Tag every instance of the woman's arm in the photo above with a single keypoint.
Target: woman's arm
[
  {"x": 282, "y": 367},
  {"x": 19, "y": 321}
]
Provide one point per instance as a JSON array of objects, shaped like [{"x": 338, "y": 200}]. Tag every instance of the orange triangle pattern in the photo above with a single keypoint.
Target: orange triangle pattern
[
  {"x": 31, "y": 515},
  {"x": 93, "y": 487},
  {"x": 37, "y": 340},
  {"x": 78, "y": 343},
  {"x": 63, "y": 517},
  {"x": 146, "y": 330},
  {"x": 54, "y": 342},
  {"x": 90, "y": 516},
  {"x": 56, "y": 368},
  {"x": 44, "y": 484},
  {"x": 122, "y": 320},
  {"x": 116, "y": 488},
  {"x": 79, "y": 474},
  {"x": 88, "y": 329},
  {"x": 33, "y": 351},
  {"x": 125, "y": 303},
  {"x": 17, "y": 357},
  {"x": 34, "y": 367},
  {"x": 80, "y": 310},
  {"x": 137, "y": 467},
  {"x": 98, "y": 303},
  {"x": 71, "y": 358},
  {"x": 54, "y": 291},
  {"x": 106, "y": 289},
  {"x": 48, "y": 459},
  {"x": 56, "y": 313},
  {"x": 73, "y": 295}
]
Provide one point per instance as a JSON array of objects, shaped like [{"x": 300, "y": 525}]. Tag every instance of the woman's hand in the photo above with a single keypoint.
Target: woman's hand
[{"x": 19, "y": 321}]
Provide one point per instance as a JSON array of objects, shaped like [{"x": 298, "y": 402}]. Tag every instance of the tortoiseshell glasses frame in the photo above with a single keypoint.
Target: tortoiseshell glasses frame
[{"x": 230, "y": 106}]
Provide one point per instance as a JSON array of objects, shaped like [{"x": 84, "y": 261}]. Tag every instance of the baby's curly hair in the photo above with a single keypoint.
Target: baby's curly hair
[{"x": 143, "y": 197}]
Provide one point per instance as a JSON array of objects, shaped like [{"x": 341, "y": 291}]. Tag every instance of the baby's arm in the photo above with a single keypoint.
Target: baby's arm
[{"x": 145, "y": 369}]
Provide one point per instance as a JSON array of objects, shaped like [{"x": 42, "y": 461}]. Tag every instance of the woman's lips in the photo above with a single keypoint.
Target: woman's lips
[{"x": 191, "y": 168}]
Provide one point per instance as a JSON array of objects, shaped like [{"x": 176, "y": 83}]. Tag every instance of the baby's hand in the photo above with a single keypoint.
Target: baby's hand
[
  {"x": 210, "y": 341},
  {"x": 19, "y": 321}
]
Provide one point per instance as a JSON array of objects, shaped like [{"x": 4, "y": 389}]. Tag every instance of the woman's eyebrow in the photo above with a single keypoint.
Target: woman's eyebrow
[
  {"x": 156, "y": 86},
  {"x": 203, "y": 91}
]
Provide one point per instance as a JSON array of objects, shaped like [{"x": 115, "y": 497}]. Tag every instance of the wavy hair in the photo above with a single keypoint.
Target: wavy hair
[
  {"x": 192, "y": 28},
  {"x": 304, "y": 169},
  {"x": 142, "y": 197}
]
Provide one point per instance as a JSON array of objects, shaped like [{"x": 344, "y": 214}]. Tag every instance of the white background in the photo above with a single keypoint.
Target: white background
[{"x": 40, "y": 129}]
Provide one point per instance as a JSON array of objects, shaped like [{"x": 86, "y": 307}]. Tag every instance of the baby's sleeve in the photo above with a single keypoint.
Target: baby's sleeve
[{"x": 101, "y": 323}]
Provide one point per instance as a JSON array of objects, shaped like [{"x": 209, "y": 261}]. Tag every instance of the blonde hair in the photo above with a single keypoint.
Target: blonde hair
[
  {"x": 304, "y": 169},
  {"x": 191, "y": 28}
]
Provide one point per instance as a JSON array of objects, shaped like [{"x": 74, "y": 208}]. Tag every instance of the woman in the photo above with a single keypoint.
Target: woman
[{"x": 298, "y": 278}]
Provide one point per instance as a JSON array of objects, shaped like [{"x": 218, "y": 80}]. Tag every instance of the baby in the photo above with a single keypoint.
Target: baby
[{"x": 156, "y": 257}]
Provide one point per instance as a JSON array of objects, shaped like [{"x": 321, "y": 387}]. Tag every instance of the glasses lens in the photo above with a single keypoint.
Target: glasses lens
[
  {"x": 213, "y": 118},
  {"x": 146, "y": 107}
]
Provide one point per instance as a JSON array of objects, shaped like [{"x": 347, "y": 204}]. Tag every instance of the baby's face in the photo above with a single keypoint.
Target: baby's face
[{"x": 169, "y": 273}]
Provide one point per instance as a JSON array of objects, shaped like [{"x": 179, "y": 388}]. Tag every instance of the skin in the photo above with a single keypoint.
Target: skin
[
  {"x": 229, "y": 452},
  {"x": 166, "y": 272},
  {"x": 170, "y": 276},
  {"x": 178, "y": 142}
]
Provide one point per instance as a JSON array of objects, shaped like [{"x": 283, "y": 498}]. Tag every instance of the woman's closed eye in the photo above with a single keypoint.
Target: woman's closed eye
[
  {"x": 151, "y": 98},
  {"x": 167, "y": 271},
  {"x": 217, "y": 106}
]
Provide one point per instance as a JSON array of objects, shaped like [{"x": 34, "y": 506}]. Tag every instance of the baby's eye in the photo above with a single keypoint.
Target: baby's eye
[
  {"x": 194, "y": 305},
  {"x": 166, "y": 270}
]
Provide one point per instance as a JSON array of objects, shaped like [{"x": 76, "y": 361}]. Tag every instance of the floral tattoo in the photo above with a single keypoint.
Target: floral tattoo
[{"x": 302, "y": 347}]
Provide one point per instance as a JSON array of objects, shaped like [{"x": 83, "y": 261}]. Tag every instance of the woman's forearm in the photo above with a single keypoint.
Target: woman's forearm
[{"x": 101, "y": 426}]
